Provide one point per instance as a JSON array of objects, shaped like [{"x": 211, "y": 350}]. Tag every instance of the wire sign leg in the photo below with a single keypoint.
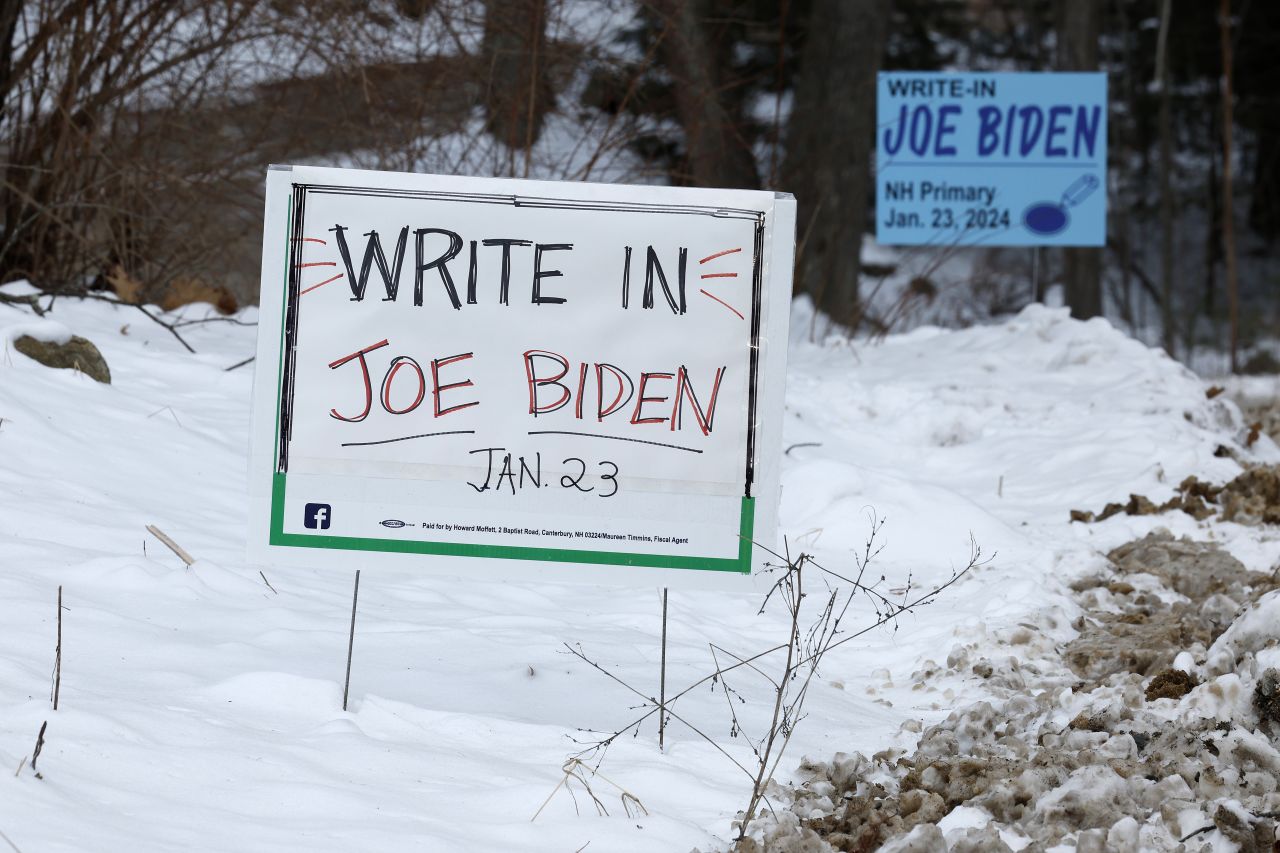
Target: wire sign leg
[
  {"x": 351, "y": 641},
  {"x": 662, "y": 677}
]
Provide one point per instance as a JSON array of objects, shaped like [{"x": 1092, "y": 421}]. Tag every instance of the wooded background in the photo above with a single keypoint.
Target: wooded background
[{"x": 135, "y": 135}]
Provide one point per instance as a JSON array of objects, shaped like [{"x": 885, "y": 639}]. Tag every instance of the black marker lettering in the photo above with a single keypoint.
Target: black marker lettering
[
  {"x": 372, "y": 254},
  {"x": 652, "y": 268},
  {"x": 539, "y": 273},
  {"x": 504, "y": 284},
  {"x": 488, "y": 466},
  {"x": 455, "y": 246}
]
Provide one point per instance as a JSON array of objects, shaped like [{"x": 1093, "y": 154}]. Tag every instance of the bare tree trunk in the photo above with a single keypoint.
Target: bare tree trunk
[
  {"x": 1079, "y": 25},
  {"x": 519, "y": 93},
  {"x": 1264, "y": 208},
  {"x": 1130, "y": 309},
  {"x": 1228, "y": 214},
  {"x": 1212, "y": 205},
  {"x": 716, "y": 152},
  {"x": 829, "y": 145},
  {"x": 9, "y": 11},
  {"x": 1166, "y": 183},
  {"x": 1254, "y": 77}
]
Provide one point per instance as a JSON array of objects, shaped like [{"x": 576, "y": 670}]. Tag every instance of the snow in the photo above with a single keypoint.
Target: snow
[
  {"x": 46, "y": 331},
  {"x": 1090, "y": 788},
  {"x": 201, "y": 710},
  {"x": 964, "y": 817},
  {"x": 1255, "y": 629},
  {"x": 20, "y": 287}
]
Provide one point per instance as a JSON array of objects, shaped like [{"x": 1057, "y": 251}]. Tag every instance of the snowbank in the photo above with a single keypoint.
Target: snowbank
[{"x": 200, "y": 708}]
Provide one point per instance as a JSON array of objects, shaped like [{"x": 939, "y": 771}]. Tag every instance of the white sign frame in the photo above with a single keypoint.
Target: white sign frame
[{"x": 275, "y": 537}]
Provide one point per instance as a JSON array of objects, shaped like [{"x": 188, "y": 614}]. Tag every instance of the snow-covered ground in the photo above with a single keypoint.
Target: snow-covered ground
[{"x": 201, "y": 710}]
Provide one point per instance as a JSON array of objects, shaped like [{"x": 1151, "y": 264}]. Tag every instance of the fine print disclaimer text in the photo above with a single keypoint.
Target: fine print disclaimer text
[{"x": 544, "y": 531}]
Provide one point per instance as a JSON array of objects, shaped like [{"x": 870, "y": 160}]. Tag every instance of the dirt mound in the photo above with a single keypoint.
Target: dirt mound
[
  {"x": 1170, "y": 684},
  {"x": 1172, "y": 738},
  {"x": 1137, "y": 783},
  {"x": 1134, "y": 626},
  {"x": 1251, "y": 498},
  {"x": 1266, "y": 698},
  {"x": 1197, "y": 570}
]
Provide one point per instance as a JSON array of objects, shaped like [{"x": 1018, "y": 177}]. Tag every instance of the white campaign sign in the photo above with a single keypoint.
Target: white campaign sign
[{"x": 463, "y": 374}]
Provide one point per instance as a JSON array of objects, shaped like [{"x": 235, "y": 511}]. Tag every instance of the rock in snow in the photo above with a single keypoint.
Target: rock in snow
[{"x": 77, "y": 353}]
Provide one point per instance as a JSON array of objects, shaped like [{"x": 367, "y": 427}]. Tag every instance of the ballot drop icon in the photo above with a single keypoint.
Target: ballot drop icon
[{"x": 1047, "y": 218}]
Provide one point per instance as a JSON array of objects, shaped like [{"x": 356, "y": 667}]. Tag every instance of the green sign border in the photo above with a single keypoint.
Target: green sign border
[{"x": 740, "y": 564}]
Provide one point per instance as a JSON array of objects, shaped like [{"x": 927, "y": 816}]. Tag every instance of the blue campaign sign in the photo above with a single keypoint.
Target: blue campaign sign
[{"x": 1003, "y": 159}]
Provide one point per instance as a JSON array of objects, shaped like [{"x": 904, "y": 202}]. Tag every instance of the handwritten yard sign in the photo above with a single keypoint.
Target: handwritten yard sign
[
  {"x": 991, "y": 159},
  {"x": 464, "y": 374}
]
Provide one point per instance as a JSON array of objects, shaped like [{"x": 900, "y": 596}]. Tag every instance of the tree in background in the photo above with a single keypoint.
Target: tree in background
[
  {"x": 1078, "y": 25},
  {"x": 135, "y": 132},
  {"x": 1257, "y": 85},
  {"x": 699, "y": 61},
  {"x": 716, "y": 57},
  {"x": 73, "y": 192},
  {"x": 518, "y": 91},
  {"x": 829, "y": 147},
  {"x": 9, "y": 12}
]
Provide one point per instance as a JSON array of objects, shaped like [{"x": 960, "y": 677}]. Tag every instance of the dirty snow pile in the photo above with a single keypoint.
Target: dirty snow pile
[
  {"x": 1158, "y": 722},
  {"x": 201, "y": 708}
]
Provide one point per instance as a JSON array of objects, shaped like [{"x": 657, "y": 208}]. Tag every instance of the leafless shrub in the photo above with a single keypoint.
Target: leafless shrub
[
  {"x": 135, "y": 133},
  {"x": 819, "y": 604}
]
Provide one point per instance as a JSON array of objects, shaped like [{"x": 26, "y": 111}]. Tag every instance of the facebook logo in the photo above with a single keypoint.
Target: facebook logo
[{"x": 317, "y": 516}]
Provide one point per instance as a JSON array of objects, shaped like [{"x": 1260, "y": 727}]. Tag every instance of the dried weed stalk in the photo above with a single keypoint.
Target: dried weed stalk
[{"x": 819, "y": 603}]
